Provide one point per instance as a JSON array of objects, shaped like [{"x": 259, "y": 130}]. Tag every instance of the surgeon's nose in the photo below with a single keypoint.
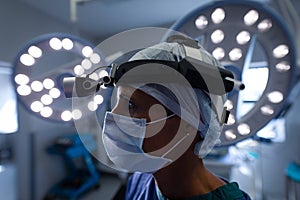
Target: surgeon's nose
[{"x": 118, "y": 109}]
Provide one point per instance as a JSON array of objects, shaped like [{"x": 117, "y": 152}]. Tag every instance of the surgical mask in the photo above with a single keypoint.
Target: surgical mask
[{"x": 123, "y": 140}]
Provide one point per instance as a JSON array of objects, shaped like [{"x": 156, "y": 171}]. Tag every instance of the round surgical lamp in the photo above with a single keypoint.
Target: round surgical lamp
[
  {"x": 40, "y": 67},
  {"x": 252, "y": 41}
]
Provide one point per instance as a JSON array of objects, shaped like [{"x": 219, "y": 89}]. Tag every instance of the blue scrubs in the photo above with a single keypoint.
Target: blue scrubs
[{"x": 142, "y": 186}]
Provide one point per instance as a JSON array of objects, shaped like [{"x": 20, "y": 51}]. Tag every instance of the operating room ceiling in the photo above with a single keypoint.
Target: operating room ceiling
[{"x": 102, "y": 18}]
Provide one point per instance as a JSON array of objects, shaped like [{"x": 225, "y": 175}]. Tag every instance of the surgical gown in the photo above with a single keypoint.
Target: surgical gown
[{"x": 141, "y": 186}]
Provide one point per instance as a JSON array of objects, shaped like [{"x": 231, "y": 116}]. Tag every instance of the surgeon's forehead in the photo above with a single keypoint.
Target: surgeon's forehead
[
  {"x": 126, "y": 91},
  {"x": 136, "y": 95}
]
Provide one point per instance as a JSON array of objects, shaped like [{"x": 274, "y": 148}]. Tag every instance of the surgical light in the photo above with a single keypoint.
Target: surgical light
[
  {"x": 40, "y": 67},
  {"x": 265, "y": 65}
]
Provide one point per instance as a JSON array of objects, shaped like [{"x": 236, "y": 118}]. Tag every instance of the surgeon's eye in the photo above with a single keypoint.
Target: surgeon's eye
[{"x": 131, "y": 105}]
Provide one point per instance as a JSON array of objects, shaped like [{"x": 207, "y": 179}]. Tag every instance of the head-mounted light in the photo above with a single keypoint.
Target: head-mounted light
[{"x": 199, "y": 74}]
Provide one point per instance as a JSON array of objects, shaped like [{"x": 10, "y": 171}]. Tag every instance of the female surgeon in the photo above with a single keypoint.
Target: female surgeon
[{"x": 162, "y": 131}]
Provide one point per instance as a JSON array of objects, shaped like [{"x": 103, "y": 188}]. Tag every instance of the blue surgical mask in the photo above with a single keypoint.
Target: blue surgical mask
[{"x": 123, "y": 140}]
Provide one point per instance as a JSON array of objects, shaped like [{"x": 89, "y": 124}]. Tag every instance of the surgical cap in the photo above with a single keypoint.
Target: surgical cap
[{"x": 196, "y": 111}]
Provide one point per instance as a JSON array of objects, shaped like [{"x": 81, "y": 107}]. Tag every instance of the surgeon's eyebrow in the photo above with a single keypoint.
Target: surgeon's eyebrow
[
  {"x": 123, "y": 96},
  {"x": 127, "y": 98}
]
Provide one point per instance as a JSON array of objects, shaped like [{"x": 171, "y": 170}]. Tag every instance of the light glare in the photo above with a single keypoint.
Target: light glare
[
  {"x": 251, "y": 17},
  {"x": 267, "y": 110},
  {"x": 24, "y": 90},
  {"x": 87, "y": 51},
  {"x": 21, "y": 79},
  {"x": 244, "y": 129},
  {"x": 48, "y": 83},
  {"x": 37, "y": 86},
  {"x": 55, "y": 44},
  {"x": 228, "y": 104},
  {"x": 235, "y": 54},
  {"x": 92, "y": 106},
  {"x": 76, "y": 114},
  {"x": 218, "y": 53},
  {"x": 46, "y": 99},
  {"x": 243, "y": 37},
  {"x": 98, "y": 99},
  {"x": 283, "y": 66},
  {"x": 35, "y": 52},
  {"x": 280, "y": 51},
  {"x": 94, "y": 76},
  {"x": 66, "y": 115},
  {"x": 103, "y": 73},
  {"x": 231, "y": 119},
  {"x": 95, "y": 58},
  {"x": 86, "y": 64},
  {"x": 27, "y": 59},
  {"x": 229, "y": 134},
  {"x": 36, "y": 106},
  {"x": 78, "y": 70},
  {"x": 217, "y": 36},
  {"x": 264, "y": 25},
  {"x": 54, "y": 93},
  {"x": 201, "y": 22},
  {"x": 46, "y": 112},
  {"x": 218, "y": 16},
  {"x": 67, "y": 44},
  {"x": 275, "y": 97}
]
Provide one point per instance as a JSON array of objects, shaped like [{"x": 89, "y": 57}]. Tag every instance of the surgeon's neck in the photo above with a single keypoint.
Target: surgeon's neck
[{"x": 186, "y": 177}]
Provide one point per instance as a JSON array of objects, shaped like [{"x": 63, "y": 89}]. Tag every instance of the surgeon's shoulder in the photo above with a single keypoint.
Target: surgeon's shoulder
[{"x": 138, "y": 183}]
